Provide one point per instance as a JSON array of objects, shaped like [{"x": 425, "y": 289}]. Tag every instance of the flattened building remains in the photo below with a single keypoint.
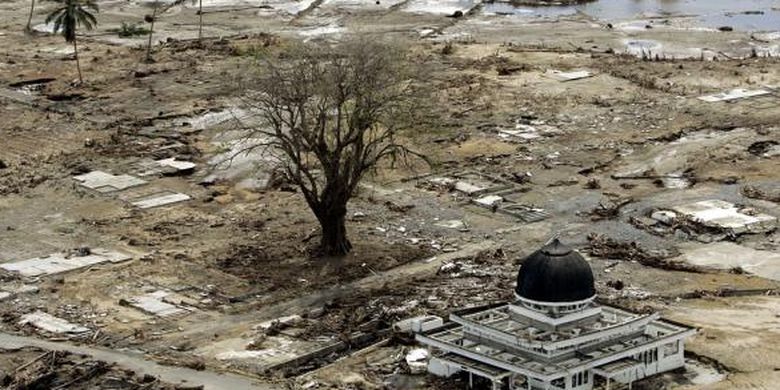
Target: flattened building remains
[{"x": 554, "y": 335}]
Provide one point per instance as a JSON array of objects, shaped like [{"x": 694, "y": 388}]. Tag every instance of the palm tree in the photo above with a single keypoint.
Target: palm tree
[
  {"x": 157, "y": 9},
  {"x": 200, "y": 19},
  {"x": 68, "y": 16},
  {"x": 28, "y": 29}
]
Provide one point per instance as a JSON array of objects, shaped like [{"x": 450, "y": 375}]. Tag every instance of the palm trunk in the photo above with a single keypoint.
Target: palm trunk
[
  {"x": 151, "y": 32},
  {"x": 29, "y": 19},
  {"x": 78, "y": 65},
  {"x": 200, "y": 22}
]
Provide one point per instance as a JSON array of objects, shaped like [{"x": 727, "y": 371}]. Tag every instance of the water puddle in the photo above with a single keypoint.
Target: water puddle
[{"x": 746, "y": 15}]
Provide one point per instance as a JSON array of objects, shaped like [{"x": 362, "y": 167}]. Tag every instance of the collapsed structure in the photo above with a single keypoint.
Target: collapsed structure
[{"x": 554, "y": 335}]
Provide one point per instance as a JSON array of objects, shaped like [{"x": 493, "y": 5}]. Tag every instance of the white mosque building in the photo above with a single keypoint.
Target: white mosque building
[{"x": 554, "y": 336}]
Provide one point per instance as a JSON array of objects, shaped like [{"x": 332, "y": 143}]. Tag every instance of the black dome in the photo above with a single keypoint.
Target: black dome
[{"x": 555, "y": 273}]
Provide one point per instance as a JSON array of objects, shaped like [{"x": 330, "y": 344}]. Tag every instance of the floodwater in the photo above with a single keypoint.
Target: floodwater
[{"x": 746, "y": 15}]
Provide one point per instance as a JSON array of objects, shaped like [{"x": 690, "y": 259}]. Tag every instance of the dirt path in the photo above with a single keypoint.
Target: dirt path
[{"x": 209, "y": 380}]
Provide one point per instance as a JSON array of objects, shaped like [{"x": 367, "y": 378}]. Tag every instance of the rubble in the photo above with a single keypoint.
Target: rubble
[
  {"x": 734, "y": 94},
  {"x": 159, "y": 200},
  {"x": 154, "y": 303},
  {"x": 568, "y": 76},
  {"x": 51, "y": 324},
  {"x": 58, "y": 263},
  {"x": 167, "y": 167},
  {"x": 727, "y": 217},
  {"x": 105, "y": 182},
  {"x": 754, "y": 192},
  {"x": 417, "y": 360},
  {"x": 610, "y": 248}
]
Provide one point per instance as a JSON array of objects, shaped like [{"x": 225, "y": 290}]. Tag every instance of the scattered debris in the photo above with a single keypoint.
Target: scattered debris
[
  {"x": 610, "y": 248},
  {"x": 608, "y": 209},
  {"x": 754, "y": 192}
]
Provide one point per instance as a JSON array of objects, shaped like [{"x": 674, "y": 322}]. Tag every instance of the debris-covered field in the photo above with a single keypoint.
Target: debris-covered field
[{"x": 140, "y": 250}]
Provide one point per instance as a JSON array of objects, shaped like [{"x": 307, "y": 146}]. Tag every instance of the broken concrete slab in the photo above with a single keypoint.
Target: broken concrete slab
[
  {"x": 734, "y": 94},
  {"x": 727, "y": 217},
  {"x": 51, "y": 324},
  {"x": 489, "y": 201},
  {"x": 154, "y": 304},
  {"x": 168, "y": 166},
  {"x": 105, "y": 182},
  {"x": 728, "y": 256},
  {"x": 567, "y": 76},
  {"x": 59, "y": 262},
  {"x": 160, "y": 199},
  {"x": 13, "y": 292},
  {"x": 469, "y": 188}
]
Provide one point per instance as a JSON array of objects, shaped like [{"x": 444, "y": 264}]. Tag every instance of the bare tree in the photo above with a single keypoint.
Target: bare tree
[{"x": 334, "y": 114}]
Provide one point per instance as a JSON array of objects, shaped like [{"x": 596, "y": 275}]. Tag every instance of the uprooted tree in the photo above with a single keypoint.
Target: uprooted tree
[{"x": 332, "y": 114}]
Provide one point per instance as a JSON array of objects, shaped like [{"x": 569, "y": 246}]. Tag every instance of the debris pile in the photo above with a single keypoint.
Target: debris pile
[{"x": 606, "y": 247}]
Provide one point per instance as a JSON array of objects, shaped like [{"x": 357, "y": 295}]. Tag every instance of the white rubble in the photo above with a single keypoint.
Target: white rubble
[
  {"x": 153, "y": 303},
  {"x": 418, "y": 324},
  {"x": 567, "y": 76},
  {"x": 489, "y": 201},
  {"x": 105, "y": 182},
  {"x": 417, "y": 360},
  {"x": 160, "y": 166},
  {"x": 726, "y": 216},
  {"x": 457, "y": 224},
  {"x": 734, "y": 94},
  {"x": 158, "y": 200},
  {"x": 51, "y": 324},
  {"x": 58, "y": 262},
  {"x": 441, "y": 7}
]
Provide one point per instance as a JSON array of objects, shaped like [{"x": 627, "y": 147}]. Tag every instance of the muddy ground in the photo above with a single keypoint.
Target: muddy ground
[{"x": 238, "y": 257}]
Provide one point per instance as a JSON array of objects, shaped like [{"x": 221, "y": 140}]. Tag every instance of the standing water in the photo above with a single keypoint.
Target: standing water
[{"x": 747, "y": 15}]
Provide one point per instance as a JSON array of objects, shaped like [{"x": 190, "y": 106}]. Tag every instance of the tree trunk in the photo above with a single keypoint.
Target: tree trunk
[
  {"x": 78, "y": 65},
  {"x": 151, "y": 33},
  {"x": 200, "y": 22},
  {"x": 29, "y": 19},
  {"x": 334, "y": 240}
]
